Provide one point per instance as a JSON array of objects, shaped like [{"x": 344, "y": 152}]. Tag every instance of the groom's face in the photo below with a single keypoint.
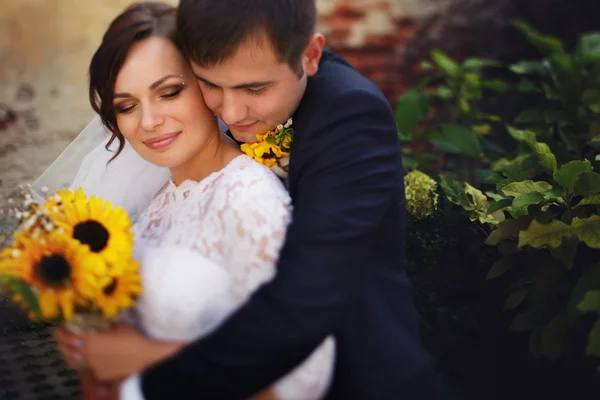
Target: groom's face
[{"x": 252, "y": 91}]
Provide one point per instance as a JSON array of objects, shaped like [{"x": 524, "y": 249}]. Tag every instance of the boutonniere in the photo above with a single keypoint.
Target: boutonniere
[{"x": 273, "y": 148}]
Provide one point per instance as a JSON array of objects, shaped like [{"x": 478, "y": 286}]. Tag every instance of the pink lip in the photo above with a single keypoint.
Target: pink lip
[
  {"x": 244, "y": 127},
  {"x": 162, "y": 141}
]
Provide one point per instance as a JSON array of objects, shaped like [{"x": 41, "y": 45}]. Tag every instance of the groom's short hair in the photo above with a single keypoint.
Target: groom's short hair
[{"x": 211, "y": 31}]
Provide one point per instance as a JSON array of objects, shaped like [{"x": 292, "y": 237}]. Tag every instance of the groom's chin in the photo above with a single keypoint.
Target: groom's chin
[{"x": 244, "y": 137}]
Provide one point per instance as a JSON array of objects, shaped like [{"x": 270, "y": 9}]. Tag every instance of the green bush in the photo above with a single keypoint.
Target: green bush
[{"x": 536, "y": 203}]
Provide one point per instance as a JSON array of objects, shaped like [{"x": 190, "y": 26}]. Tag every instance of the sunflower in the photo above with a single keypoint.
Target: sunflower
[
  {"x": 119, "y": 293},
  {"x": 58, "y": 269},
  {"x": 265, "y": 152},
  {"x": 95, "y": 223}
]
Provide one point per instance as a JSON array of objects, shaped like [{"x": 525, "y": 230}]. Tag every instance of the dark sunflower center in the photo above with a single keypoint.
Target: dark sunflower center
[
  {"x": 54, "y": 270},
  {"x": 93, "y": 234},
  {"x": 270, "y": 154},
  {"x": 110, "y": 288}
]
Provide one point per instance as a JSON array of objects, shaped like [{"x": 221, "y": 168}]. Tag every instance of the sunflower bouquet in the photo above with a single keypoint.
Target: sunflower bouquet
[{"x": 71, "y": 261}]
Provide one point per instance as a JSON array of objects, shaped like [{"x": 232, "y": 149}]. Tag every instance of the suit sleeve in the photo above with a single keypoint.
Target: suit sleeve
[{"x": 344, "y": 186}]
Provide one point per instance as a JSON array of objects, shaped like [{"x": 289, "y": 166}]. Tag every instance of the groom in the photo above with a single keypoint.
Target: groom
[{"x": 341, "y": 269}]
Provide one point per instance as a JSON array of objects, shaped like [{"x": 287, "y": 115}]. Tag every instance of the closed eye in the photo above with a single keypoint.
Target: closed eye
[
  {"x": 172, "y": 93},
  {"x": 208, "y": 84},
  {"x": 256, "y": 92},
  {"x": 123, "y": 109}
]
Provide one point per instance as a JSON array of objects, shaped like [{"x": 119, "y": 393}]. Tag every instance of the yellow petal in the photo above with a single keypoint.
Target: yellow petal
[
  {"x": 48, "y": 304},
  {"x": 65, "y": 299}
]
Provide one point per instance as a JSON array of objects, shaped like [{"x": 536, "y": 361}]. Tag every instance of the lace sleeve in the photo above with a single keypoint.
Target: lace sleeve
[
  {"x": 255, "y": 223},
  {"x": 257, "y": 220}
]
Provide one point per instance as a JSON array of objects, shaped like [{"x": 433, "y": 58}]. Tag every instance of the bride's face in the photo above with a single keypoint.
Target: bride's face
[{"x": 159, "y": 106}]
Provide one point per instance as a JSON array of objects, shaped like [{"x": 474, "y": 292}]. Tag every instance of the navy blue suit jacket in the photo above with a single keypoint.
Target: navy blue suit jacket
[{"x": 341, "y": 269}]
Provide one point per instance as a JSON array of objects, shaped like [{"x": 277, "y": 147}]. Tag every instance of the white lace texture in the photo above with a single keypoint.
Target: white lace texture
[{"x": 204, "y": 247}]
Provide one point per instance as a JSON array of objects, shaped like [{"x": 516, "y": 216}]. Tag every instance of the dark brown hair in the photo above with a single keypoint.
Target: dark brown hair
[
  {"x": 211, "y": 31},
  {"x": 138, "y": 22}
]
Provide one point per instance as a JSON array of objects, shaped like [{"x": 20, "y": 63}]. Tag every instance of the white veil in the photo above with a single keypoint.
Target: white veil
[{"x": 128, "y": 181}]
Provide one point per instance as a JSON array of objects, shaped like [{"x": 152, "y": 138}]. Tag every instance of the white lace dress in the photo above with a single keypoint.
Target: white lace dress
[{"x": 204, "y": 247}]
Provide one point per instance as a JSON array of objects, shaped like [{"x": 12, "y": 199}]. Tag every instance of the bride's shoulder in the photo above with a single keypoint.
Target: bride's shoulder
[{"x": 246, "y": 179}]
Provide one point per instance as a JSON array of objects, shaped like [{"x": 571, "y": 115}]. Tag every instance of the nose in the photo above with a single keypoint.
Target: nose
[
  {"x": 151, "y": 118},
  {"x": 233, "y": 110}
]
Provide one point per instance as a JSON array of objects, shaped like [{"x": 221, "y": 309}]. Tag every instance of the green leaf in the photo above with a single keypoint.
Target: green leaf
[
  {"x": 462, "y": 138},
  {"x": 523, "y": 322},
  {"x": 410, "y": 162},
  {"x": 589, "y": 280},
  {"x": 471, "y": 79},
  {"x": 500, "y": 267},
  {"x": 556, "y": 193},
  {"x": 444, "y": 63},
  {"x": 496, "y": 85},
  {"x": 588, "y": 183},
  {"x": 493, "y": 195},
  {"x": 531, "y": 115},
  {"x": 568, "y": 174},
  {"x": 499, "y": 205},
  {"x": 592, "y": 199},
  {"x": 455, "y": 191},
  {"x": 587, "y": 230},
  {"x": 444, "y": 92},
  {"x": 411, "y": 108},
  {"x": 481, "y": 129},
  {"x": 553, "y": 343},
  {"x": 515, "y": 299},
  {"x": 546, "y": 159},
  {"x": 514, "y": 173},
  {"x": 546, "y": 45},
  {"x": 425, "y": 65},
  {"x": 528, "y": 67},
  {"x": 24, "y": 289},
  {"x": 538, "y": 235},
  {"x": 545, "y": 156},
  {"x": 591, "y": 302},
  {"x": 517, "y": 189},
  {"x": 593, "y": 346},
  {"x": 588, "y": 43},
  {"x": 476, "y": 64},
  {"x": 517, "y": 212},
  {"x": 481, "y": 204},
  {"x": 527, "y": 87},
  {"x": 444, "y": 144},
  {"x": 527, "y": 199},
  {"x": 508, "y": 229}
]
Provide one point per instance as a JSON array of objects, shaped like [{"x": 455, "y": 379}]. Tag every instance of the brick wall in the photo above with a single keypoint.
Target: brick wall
[{"x": 372, "y": 35}]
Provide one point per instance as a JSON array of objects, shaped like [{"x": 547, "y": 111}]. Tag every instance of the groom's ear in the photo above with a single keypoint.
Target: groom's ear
[{"x": 312, "y": 54}]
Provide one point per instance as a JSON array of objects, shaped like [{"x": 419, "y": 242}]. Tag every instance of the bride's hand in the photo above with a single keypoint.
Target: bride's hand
[{"x": 114, "y": 354}]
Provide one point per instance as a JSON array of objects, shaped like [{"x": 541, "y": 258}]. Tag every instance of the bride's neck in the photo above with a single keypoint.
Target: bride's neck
[{"x": 216, "y": 153}]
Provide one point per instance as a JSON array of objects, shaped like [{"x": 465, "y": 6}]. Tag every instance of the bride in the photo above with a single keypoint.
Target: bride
[{"x": 208, "y": 238}]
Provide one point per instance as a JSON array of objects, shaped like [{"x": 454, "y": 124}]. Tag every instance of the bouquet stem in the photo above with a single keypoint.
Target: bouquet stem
[{"x": 88, "y": 323}]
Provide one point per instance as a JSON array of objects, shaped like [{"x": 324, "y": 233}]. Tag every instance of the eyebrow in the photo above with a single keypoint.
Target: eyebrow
[
  {"x": 247, "y": 85},
  {"x": 151, "y": 87}
]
